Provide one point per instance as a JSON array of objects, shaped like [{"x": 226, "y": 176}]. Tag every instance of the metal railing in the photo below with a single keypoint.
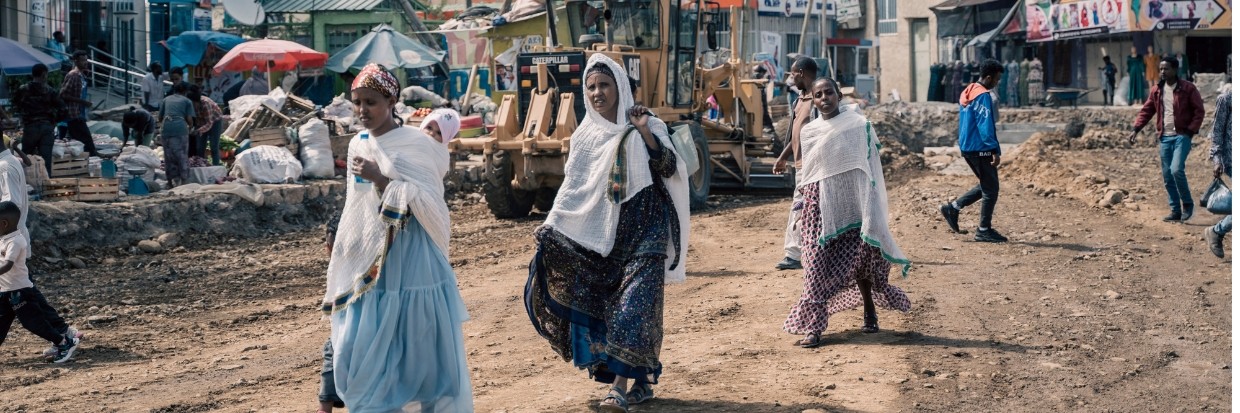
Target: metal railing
[{"x": 124, "y": 82}]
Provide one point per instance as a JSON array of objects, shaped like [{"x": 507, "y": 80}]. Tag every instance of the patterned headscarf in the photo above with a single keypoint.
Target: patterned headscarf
[
  {"x": 377, "y": 78},
  {"x": 448, "y": 120}
]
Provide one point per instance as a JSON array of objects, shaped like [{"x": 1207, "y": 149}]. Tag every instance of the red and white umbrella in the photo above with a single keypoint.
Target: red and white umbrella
[{"x": 256, "y": 54}]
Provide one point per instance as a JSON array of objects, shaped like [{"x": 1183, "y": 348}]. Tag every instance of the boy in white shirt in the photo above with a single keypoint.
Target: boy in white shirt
[{"x": 17, "y": 291}]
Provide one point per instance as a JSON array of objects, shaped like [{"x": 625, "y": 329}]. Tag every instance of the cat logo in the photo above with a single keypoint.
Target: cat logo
[{"x": 635, "y": 70}]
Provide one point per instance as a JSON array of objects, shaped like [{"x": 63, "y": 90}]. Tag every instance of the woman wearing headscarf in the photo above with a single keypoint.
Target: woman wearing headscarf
[
  {"x": 618, "y": 230},
  {"x": 391, "y": 296},
  {"x": 848, "y": 246}
]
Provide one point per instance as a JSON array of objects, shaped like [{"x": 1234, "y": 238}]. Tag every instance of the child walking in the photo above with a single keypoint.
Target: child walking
[{"x": 17, "y": 294}]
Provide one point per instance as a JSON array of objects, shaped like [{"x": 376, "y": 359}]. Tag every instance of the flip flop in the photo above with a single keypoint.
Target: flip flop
[
  {"x": 614, "y": 402},
  {"x": 811, "y": 340},
  {"x": 640, "y": 393}
]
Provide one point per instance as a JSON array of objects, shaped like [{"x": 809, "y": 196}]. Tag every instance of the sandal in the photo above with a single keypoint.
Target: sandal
[
  {"x": 640, "y": 393},
  {"x": 614, "y": 402},
  {"x": 811, "y": 340},
  {"x": 871, "y": 324}
]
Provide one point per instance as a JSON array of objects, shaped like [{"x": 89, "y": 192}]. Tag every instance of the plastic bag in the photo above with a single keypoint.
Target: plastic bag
[
  {"x": 686, "y": 149},
  {"x": 1121, "y": 92},
  {"x": 268, "y": 165},
  {"x": 1214, "y": 186},
  {"x": 316, "y": 150},
  {"x": 1219, "y": 199}
]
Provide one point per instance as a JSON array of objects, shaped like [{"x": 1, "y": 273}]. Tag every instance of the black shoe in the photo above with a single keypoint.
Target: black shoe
[
  {"x": 1215, "y": 241},
  {"x": 788, "y": 264},
  {"x": 1173, "y": 217},
  {"x": 989, "y": 235},
  {"x": 952, "y": 216},
  {"x": 1188, "y": 213}
]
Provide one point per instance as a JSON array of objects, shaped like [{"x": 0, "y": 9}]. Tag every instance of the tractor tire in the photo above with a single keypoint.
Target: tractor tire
[
  {"x": 544, "y": 198},
  {"x": 502, "y": 198},
  {"x": 699, "y": 182}
]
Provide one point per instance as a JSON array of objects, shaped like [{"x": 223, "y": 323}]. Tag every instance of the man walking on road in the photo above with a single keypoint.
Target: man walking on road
[
  {"x": 1220, "y": 153},
  {"x": 804, "y": 72},
  {"x": 76, "y": 96},
  {"x": 39, "y": 106},
  {"x": 1175, "y": 108},
  {"x": 980, "y": 148}
]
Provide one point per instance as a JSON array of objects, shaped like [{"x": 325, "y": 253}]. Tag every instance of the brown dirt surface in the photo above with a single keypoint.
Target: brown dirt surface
[{"x": 1089, "y": 308}]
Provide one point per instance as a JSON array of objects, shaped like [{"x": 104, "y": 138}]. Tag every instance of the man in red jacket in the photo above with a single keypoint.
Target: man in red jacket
[{"x": 1175, "y": 108}]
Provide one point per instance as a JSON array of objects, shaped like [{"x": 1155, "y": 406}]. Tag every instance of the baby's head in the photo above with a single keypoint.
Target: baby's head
[{"x": 10, "y": 215}]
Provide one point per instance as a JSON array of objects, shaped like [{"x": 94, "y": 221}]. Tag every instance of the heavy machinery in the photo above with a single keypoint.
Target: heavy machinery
[{"x": 659, "y": 44}]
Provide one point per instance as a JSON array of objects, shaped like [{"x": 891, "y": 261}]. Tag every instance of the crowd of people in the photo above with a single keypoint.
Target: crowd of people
[{"x": 617, "y": 232}]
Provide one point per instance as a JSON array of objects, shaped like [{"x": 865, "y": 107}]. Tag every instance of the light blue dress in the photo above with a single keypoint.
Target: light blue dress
[{"x": 399, "y": 346}]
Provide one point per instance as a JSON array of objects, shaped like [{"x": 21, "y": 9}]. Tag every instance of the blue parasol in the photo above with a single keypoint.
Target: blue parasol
[
  {"x": 388, "y": 48},
  {"x": 19, "y": 58},
  {"x": 190, "y": 47}
]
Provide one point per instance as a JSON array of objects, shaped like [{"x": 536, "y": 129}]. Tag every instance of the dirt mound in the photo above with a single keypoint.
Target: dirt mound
[
  {"x": 1045, "y": 163},
  {"x": 898, "y": 160},
  {"x": 916, "y": 125}
]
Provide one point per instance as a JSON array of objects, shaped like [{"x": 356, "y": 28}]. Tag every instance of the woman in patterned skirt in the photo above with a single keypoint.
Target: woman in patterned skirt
[
  {"x": 618, "y": 230},
  {"x": 848, "y": 247}
]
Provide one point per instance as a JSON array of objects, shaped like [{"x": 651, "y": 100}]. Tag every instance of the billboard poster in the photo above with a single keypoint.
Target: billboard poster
[
  {"x": 1183, "y": 14},
  {"x": 791, "y": 8},
  {"x": 1069, "y": 19}
]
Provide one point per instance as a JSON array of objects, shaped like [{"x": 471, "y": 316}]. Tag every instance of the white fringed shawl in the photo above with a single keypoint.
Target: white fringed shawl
[
  {"x": 583, "y": 210},
  {"x": 841, "y": 157},
  {"x": 416, "y": 164}
]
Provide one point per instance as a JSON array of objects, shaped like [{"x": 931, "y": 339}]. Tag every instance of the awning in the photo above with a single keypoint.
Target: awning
[
  {"x": 984, "y": 38},
  {"x": 971, "y": 17},
  {"x": 302, "y": 6}
]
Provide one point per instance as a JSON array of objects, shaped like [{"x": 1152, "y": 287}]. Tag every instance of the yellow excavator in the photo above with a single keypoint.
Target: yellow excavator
[{"x": 661, "y": 45}]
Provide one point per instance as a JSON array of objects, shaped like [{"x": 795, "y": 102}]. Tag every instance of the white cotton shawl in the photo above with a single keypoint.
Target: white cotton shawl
[
  {"x": 841, "y": 157},
  {"x": 583, "y": 210},
  {"x": 416, "y": 164}
]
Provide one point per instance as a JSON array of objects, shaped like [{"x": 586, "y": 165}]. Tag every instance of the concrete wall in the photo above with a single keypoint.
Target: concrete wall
[{"x": 895, "y": 51}]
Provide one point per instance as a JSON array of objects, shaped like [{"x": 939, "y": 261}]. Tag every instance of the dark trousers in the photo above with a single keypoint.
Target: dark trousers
[
  {"x": 21, "y": 305},
  {"x": 987, "y": 189},
  {"x": 78, "y": 131},
  {"x": 38, "y": 139},
  {"x": 49, "y": 313},
  {"x": 210, "y": 141},
  {"x": 327, "y": 387}
]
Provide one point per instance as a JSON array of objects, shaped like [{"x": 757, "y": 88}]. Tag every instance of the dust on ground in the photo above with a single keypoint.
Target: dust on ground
[{"x": 1091, "y": 307}]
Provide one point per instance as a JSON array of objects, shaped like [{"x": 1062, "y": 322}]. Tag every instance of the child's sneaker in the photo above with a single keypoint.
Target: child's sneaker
[
  {"x": 50, "y": 352},
  {"x": 65, "y": 351}
]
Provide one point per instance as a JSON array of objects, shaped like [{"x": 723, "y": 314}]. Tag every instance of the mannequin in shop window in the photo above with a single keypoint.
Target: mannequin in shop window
[
  {"x": 1184, "y": 72},
  {"x": 1035, "y": 81},
  {"x": 1151, "y": 68},
  {"x": 1137, "y": 86},
  {"x": 1024, "y": 82}
]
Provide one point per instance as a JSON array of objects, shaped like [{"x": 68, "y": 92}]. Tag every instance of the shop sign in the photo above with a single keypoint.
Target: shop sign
[
  {"x": 1070, "y": 19},
  {"x": 791, "y": 8},
  {"x": 1184, "y": 15}
]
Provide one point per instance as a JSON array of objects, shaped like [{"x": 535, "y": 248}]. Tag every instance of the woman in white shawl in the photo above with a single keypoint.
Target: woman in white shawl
[
  {"x": 391, "y": 296},
  {"x": 848, "y": 248},
  {"x": 616, "y": 233}
]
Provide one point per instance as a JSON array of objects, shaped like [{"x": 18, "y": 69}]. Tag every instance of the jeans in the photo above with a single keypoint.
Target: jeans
[
  {"x": 49, "y": 313},
  {"x": 38, "y": 139},
  {"x": 1174, "y": 150},
  {"x": 19, "y": 304},
  {"x": 211, "y": 140},
  {"x": 327, "y": 387},
  {"x": 987, "y": 189}
]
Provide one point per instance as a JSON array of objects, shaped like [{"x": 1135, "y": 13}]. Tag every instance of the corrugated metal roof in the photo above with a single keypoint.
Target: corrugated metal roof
[
  {"x": 952, "y": 4},
  {"x": 301, "y": 6}
]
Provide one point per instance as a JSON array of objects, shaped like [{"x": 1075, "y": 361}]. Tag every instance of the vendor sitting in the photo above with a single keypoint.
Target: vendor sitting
[{"x": 142, "y": 125}]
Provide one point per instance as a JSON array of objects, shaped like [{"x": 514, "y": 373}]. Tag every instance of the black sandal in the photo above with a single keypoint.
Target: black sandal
[
  {"x": 811, "y": 340},
  {"x": 640, "y": 393},
  {"x": 871, "y": 324}
]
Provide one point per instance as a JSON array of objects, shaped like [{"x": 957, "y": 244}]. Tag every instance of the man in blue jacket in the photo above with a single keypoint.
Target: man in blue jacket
[{"x": 980, "y": 148}]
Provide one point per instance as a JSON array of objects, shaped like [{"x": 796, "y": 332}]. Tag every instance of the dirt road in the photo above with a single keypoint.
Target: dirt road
[{"x": 1087, "y": 309}]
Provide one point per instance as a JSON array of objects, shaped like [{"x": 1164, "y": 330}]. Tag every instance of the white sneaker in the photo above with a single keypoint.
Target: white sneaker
[
  {"x": 50, "y": 352},
  {"x": 64, "y": 352}
]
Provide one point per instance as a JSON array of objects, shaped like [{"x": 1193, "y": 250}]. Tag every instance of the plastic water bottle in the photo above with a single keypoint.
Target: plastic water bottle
[{"x": 362, "y": 184}]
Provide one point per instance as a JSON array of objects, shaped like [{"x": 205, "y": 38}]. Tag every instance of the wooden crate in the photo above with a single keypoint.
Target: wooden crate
[
  {"x": 62, "y": 189},
  {"x": 98, "y": 189},
  {"x": 70, "y": 168},
  {"x": 82, "y": 189},
  {"x": 277, "y": 136}
]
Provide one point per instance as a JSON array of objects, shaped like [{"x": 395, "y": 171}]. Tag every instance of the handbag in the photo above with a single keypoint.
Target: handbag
[
  {"x": 1220, "y": 200},
  {"x": 1214, "y": 186}
]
